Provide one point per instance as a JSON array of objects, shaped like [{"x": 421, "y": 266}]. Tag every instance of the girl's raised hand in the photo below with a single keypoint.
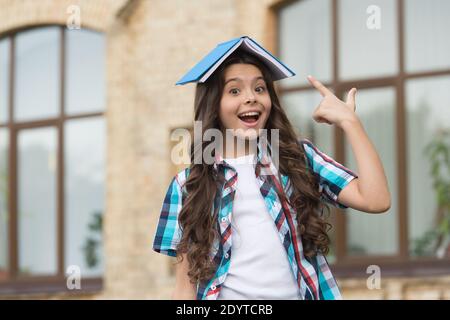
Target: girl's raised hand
[{"x": 331, "y": 110}]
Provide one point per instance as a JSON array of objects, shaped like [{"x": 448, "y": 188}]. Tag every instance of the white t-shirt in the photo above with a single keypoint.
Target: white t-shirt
[{"x": 259, "y": 266}]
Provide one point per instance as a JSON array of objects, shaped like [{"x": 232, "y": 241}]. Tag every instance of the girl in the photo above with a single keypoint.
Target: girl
[{"x": 241, "y": 228}]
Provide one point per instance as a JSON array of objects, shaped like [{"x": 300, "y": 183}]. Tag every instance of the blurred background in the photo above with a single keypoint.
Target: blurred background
[{"x": 88, "y": 103}]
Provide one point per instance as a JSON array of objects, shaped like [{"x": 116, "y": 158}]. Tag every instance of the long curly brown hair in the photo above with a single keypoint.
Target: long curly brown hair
[{"x": 199, "y": 226}]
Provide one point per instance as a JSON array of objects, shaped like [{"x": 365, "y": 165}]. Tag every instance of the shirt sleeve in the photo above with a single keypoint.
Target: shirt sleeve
[
  {"x": 168, "y": 233},
  {"x": 332, "y": 176}
]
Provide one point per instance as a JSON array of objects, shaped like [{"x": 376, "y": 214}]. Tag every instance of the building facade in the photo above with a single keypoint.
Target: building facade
[{"x": 88, "y": 105}]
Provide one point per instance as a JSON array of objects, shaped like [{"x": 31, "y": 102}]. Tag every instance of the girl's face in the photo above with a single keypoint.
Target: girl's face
[{"x": 245, "y": 102}]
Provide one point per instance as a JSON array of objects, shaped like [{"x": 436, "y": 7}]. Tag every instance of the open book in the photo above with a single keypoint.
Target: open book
[{"x": 203, "y": 69}]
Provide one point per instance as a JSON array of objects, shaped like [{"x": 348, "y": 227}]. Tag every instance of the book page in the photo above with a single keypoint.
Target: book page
[{"x": 276, "y": 66}]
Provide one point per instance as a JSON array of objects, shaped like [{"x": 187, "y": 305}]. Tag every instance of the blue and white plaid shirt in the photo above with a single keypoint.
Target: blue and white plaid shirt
[{"x": 313, "y": 276}]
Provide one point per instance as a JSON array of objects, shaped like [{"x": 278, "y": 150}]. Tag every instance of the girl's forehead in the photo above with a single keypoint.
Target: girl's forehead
[{"x": 242, "y": 71}]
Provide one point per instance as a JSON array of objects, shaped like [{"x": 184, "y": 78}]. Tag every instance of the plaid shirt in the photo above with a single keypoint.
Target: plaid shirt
[{"x": 313, "y": 275}]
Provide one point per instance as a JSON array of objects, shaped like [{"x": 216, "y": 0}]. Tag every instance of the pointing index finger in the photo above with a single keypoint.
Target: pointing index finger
[{"x": 319, "y": 86}]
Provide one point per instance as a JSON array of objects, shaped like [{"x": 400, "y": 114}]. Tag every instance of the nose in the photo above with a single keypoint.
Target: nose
[{"x": 250, "y": 98}]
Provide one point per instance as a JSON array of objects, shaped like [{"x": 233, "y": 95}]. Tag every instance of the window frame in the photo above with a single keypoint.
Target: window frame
[
  {"x": 15, "y": 283},
  {"x": 355, "y": 266}
]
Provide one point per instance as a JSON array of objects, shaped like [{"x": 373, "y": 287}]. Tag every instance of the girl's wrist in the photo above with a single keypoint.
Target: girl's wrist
[{"x": 349, "y": 123}]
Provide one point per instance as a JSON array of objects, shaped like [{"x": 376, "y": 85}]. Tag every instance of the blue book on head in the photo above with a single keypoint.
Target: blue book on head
[{"x": 205, "y": 67}]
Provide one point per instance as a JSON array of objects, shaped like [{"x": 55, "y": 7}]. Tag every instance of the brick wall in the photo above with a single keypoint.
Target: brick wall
[{"x": 95, "y": 14}]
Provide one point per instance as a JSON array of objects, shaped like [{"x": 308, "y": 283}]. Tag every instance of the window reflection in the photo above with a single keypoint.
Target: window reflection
[
  {"x": 37, "y": 87},
  {"x": 426, "y": 41},
  {"x": 300, "y": 107},
  {"x": 428, "y": 119},
  {"x": 4, "y": 216},
  {"x": 4, "y": 80},
  {"x": 375, "y": 234},
  {"x": 305, "y": 40},
  {"x": 84, "y": 194},
  {"x": 85, "y": 73},
  {"x": 37, "y": 168},
  {"x": 366, "y": 52}
]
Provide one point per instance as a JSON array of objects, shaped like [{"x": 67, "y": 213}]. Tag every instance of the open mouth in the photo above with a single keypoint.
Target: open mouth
[{"x": 250, "y": 117}]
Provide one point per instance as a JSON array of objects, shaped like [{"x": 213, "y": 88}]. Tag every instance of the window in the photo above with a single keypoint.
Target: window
[
  {"x": 428, "y": 120},
  {"x": 52, "y": 156},
  {"x": 377, "y": 106},
  {"x": 402, "y": 71}
]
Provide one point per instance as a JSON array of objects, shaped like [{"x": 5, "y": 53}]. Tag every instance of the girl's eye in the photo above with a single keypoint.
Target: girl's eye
[{"x": 259, "y": 89}]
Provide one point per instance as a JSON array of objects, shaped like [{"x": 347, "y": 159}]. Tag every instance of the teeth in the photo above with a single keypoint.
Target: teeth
[{"x": 253, "y": 113}]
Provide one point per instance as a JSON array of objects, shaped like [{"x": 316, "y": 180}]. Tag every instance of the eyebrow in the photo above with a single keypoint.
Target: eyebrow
[{"x": 239, "y": 79}]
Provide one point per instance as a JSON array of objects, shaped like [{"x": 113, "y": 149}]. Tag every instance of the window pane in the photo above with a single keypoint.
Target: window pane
[
  {"x": 364, "y": 51},
  {"x": 427, "y": 103},
  {"x": 427, "y": 43},
  {"x": 85, "y": 74},
  {"x": 305, "y": 40},
  {"x": 299, "y": 107},
  {"x": 37, "y": 86},
  {"x": 371, "y": 234},
  {"x": 4, "y": 137},
  {"x": 84, "y": 194},
  {"x": 4, "y": 80},
  {"x": 37, "y": 169}
]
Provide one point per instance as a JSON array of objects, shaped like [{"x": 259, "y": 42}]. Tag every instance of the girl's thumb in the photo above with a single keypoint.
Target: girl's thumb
[{"x": 351, "y": 96}]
